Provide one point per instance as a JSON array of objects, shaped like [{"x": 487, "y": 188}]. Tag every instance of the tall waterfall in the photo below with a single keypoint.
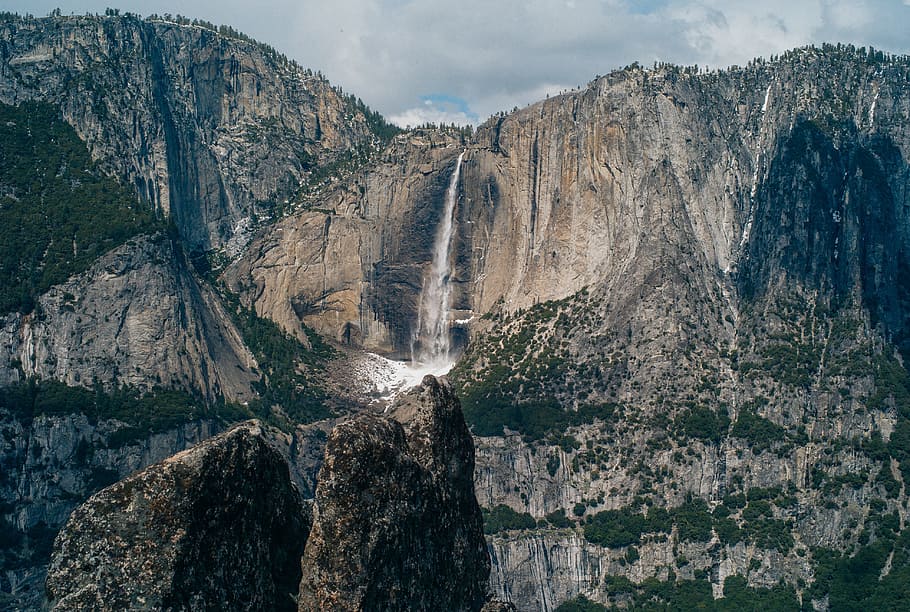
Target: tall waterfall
[{"x": 430, "y": 344}]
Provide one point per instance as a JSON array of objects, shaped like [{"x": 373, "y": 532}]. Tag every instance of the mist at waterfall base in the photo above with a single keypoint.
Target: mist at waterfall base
[{"x": 431, "y": 343}]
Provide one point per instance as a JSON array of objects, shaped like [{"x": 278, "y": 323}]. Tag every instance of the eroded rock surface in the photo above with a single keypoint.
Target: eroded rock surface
[
  {"x": 351, "y": 267},
  {"x": 212, "y": 129},
  {"x": 396, "y": 524},
  {"x": 137, "y": 317},
  {"x": 219, "y": 526}
]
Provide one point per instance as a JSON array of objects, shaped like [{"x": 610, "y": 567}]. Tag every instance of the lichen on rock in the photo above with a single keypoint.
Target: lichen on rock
[
  {"x": 219, "y": 526},
  {"x": 396, "y": 524}
]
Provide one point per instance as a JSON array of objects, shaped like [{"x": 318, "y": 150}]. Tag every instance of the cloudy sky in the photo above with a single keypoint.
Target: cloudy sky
[{"x": 463, "y": 60}]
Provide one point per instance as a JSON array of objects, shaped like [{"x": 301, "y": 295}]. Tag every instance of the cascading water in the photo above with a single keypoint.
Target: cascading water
[
  {"x": 430, "y": 344},
  {"x": 431, "y": 350}
]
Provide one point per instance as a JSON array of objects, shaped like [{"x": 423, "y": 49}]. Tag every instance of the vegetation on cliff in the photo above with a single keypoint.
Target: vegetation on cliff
[
  {"x": 291, "y": 372},
  {"x": 58, "y": 211}
]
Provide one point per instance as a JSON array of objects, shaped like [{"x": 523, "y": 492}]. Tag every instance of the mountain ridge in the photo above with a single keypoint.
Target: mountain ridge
[{"x": 685, "y": 292}]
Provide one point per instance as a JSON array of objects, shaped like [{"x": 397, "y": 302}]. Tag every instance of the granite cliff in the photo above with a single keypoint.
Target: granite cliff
[
  {"x": 137, "y": 317},
  {"x": 685, "y": 286},
  {"x": 682, "y": 295},
  {"x": 350, "y": 264},
  {"x": 208, "y": 134},
  {"x": 215, "y": 133},
  {"x": 212, "y": 129}
]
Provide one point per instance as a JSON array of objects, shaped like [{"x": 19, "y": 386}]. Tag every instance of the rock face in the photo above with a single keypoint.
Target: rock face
[
  {"x": 217, "y": 526},
  {"x": 715, "y": 246},
  {"x": 725, "y": 255},
  {"x": 351, "y": 267},
  {"x": 396, "y": 524},
  {"x": 679, "y": 286},
  {"x": 212, "y": 129},
  {"x": 138, "y": 317}
]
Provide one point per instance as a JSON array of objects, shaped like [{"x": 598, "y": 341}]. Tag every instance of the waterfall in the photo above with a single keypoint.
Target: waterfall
[{"x": 430, "y": 343}]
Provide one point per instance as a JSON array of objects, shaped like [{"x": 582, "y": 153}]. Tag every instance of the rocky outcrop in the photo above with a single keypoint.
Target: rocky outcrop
[
  {"x": 396, "y": 525},
  {"x": 51, "y": 463},
  {"x": 351, "y": 267},
  {"x": 211, "y": 129},
  {"x": 138, "y": 317},
  {"x": 217, "y": 526}
]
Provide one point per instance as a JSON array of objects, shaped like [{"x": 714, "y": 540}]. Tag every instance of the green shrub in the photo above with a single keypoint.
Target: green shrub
[
  {"x": 580, "y": 604},
  {"x": 738, "y": 595},
  {"x": 727, "y": 531},
  {"x": 758, "y": 431},
  {"x": 618, "y": 528},
  {"x": 693, "y": 521},
  {"x": 503, "y": 518},
  {"x": 58, "y": 211},
  {"x": 558, "y": 519},
  {"x": 143, "y": 412},
  {"x": 702, "y": 423}
]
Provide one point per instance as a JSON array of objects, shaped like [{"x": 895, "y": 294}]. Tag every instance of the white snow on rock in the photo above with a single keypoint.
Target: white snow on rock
[{"x": 382, "y": 379}]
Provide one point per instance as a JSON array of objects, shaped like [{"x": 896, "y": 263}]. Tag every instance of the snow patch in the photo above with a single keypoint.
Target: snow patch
[
  {"x": 872, "y": 110},
  {"x": 382, "y": 379},
  {"x": 764, "y": 106}
]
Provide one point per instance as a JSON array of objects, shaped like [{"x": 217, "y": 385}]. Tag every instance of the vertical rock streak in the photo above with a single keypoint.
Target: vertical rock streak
[
  {"x": 430, "y": 345},
  {"x": 747, "y": 228}
]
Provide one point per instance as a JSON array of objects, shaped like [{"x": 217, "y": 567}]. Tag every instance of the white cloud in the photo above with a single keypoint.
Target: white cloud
[
  {"x": 496, "y": 55},
  {"x": 430, "y": 114}
]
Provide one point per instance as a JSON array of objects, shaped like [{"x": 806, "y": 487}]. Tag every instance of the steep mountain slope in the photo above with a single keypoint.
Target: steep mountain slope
[
  {"x": 101, "y": 294},
  {"x": 140, "y": 319},
  {"x": 725, "y": 256},
  {"x": 350, "y": 265},
  {"x": 215, "y": 133},
  {"x": 211, "y": 129},
  {"x": 688, "y": 293},
  {"x": 134, "y": 153}
]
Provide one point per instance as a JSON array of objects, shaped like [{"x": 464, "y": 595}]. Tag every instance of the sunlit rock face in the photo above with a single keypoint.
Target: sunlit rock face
[
  {"x": 213, "y": 130},
  {"x": 676, "y": 285},
  {"x": 659, "y": 246}
]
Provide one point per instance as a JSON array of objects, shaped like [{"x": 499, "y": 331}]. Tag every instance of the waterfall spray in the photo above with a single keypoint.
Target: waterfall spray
[{"x": 431, "y": 338}]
